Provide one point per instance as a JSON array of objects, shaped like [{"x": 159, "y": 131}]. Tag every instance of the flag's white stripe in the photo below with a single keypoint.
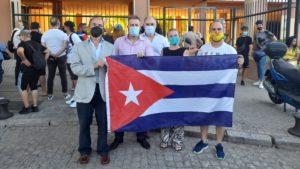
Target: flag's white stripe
[
  {"x": 107, "y": 102},
  {"x": 204, "y": 105},
  {"x": 192, "y": 77}
]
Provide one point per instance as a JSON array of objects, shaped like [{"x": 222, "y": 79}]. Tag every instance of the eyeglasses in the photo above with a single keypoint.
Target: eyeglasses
[
  {"x": 173, "y": 36},
  {"x": 214, "y": 29}
]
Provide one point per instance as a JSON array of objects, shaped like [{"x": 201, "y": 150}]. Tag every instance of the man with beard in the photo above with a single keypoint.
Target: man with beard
[{"x": 261, "y": 38}]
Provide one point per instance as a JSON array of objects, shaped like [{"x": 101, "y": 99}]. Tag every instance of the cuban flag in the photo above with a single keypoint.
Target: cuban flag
[{"x": 155, "y": 92}]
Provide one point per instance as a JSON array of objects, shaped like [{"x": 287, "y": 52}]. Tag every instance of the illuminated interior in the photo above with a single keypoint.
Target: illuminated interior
[{"x": 115, "y": 12}]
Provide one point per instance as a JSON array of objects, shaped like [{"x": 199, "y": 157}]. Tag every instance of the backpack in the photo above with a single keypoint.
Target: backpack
[
  {"x": 10, "y": 43},
  {"x": 38, "y": 58}
]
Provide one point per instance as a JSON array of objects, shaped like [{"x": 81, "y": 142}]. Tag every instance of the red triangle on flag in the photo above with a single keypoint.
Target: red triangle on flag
[{"x": 131, "y": 93}]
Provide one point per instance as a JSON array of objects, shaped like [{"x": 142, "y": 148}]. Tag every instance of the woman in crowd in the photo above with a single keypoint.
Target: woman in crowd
[
  {"x": 293, "y": 52},
  {"x": 173, "y": 136}
]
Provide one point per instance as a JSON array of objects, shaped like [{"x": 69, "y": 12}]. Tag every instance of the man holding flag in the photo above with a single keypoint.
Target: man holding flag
[
  {"x": 132, "y": 44},
  {"x": 217, "y": 46}
]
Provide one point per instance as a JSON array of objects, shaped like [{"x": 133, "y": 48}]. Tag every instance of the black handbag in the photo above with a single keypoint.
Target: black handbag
[
  {"x": 5, "y": 55},
  {"x": 10, "y": 43}
]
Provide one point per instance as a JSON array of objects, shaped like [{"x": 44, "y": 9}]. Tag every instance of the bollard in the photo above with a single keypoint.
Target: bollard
[
  {"x": 4, "y": 113},
  {"x": 296, "y": 129}
]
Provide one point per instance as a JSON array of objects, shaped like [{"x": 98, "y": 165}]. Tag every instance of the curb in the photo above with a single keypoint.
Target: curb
[{"x": 285, "y": 142}]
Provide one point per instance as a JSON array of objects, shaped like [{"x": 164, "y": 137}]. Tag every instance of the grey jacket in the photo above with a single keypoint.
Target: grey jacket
[{"x": 82, "y": 64}]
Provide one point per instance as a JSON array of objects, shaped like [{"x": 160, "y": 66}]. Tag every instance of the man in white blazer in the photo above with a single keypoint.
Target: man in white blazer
[{"x": 88, "y": 64}]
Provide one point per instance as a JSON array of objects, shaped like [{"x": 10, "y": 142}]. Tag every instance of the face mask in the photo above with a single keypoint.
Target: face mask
[
  {"x": 245, "y": 33},
  {"x": 150, "y": 30},
  {"x": 259, "y": 28},
  {"x": 134, "y": 31},
  {"x": 21, "y": 27},
  {"x": 216, "y": 37},
  {"x": 174, "y": 40},
  {"x": 96, "y": 31}
]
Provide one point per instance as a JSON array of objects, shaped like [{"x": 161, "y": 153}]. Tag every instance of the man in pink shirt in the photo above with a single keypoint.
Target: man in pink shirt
[
  {"x": 130, "y": 44},
  {"x": 133, "y": 43}
]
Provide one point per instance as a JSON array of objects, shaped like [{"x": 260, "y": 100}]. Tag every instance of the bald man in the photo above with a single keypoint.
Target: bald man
[
  {"x": 158, "y": 41},
  {"x": 217, "y": 46}
]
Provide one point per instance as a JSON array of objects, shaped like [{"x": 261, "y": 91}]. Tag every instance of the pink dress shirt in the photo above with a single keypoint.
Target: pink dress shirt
[{"x": 123, "y": 46}]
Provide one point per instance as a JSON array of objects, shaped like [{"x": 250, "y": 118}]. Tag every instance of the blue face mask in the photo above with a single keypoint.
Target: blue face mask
[
  {"x": 245, "y": 33},
  {"x": 134, "y": 31},
  {"x": 149, "y": 30},
  {"x": 174, "y": 40}
]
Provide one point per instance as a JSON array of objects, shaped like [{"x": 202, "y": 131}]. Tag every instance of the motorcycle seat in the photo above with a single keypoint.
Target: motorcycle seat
[{"x": 291, "y": 72}]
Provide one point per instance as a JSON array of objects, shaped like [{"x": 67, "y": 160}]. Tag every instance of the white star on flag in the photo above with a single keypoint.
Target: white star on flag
[{"x": 131, "y": 95}]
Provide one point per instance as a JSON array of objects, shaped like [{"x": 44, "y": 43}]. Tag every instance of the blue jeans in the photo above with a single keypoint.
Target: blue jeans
[
  {"x": 1, "y": 71},
  {"x": 85, "y": 115},
  {"x": 260, "y": 59}
]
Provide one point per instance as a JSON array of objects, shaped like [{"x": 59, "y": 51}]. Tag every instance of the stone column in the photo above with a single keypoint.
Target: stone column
[
  {"x": 6, "y": 20},
  {"x": 141, "y": 8}
]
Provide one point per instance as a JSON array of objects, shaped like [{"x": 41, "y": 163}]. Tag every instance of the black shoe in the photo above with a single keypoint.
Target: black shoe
[
  {"x": 34, "y": 108},
  {"x": 144, "y": 143},
  {"x": 115, "y": 144},
  {"x": 24, "y": 110},
  {"x": 242, "y": 83}
]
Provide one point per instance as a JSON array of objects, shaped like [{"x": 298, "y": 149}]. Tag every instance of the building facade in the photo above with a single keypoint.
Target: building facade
[{"x": 279, "y": 17}]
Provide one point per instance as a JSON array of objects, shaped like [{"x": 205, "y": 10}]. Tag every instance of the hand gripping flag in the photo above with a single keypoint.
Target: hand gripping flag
[{"x": 155, "y": 92}]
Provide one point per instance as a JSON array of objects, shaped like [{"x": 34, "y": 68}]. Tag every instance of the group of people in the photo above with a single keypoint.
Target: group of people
[
  {"x": 88, "y": 63},
  {"x": 84, "y": 58},
  {"x": 246, "y": 46},
  {"x": 55, "y": 47}
]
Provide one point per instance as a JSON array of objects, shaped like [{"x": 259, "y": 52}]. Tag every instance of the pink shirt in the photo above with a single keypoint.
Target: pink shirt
[{"x": 123, "y": 46}]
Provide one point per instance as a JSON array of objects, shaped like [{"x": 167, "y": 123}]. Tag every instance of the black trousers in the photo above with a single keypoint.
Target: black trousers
[
  {"x": 139, "y": 135},
  {"x": 30, "y": 77},
  {"x": 85, "y": 115},
  {"x": 61, "y": 63}
]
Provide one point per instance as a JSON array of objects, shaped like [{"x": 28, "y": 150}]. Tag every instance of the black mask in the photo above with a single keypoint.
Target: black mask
[
  {"x": 96, "y": 31},
  {"x": 259, "y": 29}
]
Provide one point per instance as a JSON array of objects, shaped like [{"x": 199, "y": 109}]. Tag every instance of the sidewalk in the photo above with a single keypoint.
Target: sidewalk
[{"x": 256, "y": 119}]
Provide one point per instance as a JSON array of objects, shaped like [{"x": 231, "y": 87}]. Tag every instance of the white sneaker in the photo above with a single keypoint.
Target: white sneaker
[
  {"x": 73, "y": 105},
  {"x": 261, "y": 86},
  {"x": 257, "y": 83},
  {"x": 70, "y": 101},
  {"x": 67, "y": 96},
  {"x": 1, "y": 98}
]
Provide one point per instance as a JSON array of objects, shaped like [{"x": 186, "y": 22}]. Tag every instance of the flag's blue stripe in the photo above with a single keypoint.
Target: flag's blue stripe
[
  {"x": 219, "y": 118},
  {"x": 179, "y": 63},
  {"x": 192, "y": 91}
]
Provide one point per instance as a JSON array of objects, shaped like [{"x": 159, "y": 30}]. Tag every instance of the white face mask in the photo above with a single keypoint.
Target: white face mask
[
  {"x": 21, "y": 27},
  {"x": 149, "y": 30},
  {"x": 134, "y": 31}
]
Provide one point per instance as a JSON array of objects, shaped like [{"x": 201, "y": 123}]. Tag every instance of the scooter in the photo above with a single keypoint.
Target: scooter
[{"x": 282, "y": 79}]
